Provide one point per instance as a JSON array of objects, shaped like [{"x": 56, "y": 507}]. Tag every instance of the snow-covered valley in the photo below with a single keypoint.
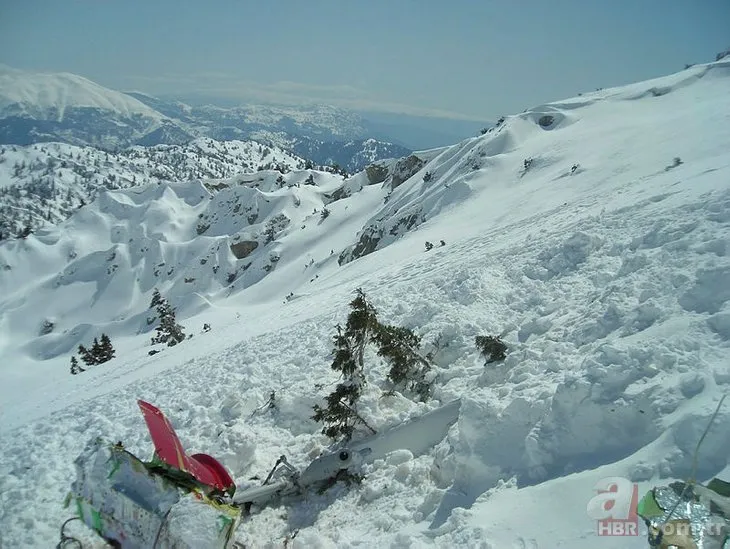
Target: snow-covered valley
[{"x": 569, "y": 229}]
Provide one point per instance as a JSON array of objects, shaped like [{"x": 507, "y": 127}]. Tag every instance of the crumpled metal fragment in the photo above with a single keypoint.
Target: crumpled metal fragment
[{"x": 691, "y": 519}]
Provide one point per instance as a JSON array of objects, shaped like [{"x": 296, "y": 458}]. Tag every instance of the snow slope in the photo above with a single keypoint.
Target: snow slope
[{"x": 610, "y": 283}]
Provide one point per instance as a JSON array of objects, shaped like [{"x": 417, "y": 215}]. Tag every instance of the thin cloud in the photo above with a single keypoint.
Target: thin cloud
[{"x": 285, "y": 92}]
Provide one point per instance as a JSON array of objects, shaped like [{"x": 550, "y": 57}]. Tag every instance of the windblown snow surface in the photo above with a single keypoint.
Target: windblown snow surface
[{"x": 611, "y": 286}]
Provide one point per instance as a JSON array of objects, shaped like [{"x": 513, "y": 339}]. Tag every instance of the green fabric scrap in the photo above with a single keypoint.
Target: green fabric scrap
[
  {"x": 224, "y": 523},
  {"x": 79, "y": 509},
  {"x": 96, "y": 519},
  {"x": 648, "y": 508}
]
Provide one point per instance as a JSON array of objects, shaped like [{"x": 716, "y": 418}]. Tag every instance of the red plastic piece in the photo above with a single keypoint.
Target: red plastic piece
[
  {"x": 202, "y": 467},
  {"x": 216, "y": 469}
]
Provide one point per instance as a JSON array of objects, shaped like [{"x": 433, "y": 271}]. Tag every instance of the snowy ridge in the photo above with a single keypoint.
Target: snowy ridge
[
  {"x": 353, "y": 156},
  {"x": 43, "y": 184},
  {"x": 191, "y": 240},
  {"x": 337, "y": 123},
  {"x": 609, "y": 282},
  {"x": 441, "y": 178}
]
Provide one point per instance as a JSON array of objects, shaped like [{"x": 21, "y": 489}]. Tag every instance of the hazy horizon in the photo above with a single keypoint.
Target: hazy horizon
[{"x": 461, "y": 61}]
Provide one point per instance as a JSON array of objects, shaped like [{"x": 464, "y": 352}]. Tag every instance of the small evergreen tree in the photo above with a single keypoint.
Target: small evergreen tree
[
  {"x": 106, "y": 350},
  {"x": 270, "y": 234},
  {"x": 156, "y": 298},
  {"x": 87, "y": 356},
  {"x": 75, "y": 368},
  {"x": 155, "y": 302},
  {"x": 168, "y": 331},
  {"x": 361, "y": 327},
  {"x": 340, "y": 416},
  {"x": 491, "y": 347},
  {"x": 96, "y": 351},
  {"x": 400, "y": 348}
]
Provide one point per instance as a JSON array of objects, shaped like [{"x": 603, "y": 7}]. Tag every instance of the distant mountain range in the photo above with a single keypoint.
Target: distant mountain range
[{"x": 44, "y": 107}]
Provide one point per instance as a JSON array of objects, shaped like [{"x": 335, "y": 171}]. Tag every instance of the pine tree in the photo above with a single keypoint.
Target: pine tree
[
  {"x": 400, "y": 348},
  {"x": 168, "y": 331},
  {"x": 96, "y": 351},
  {"x": 156, "y": 298},
  {"x": 106, "y": 350},
  {"x": 87, "y": 356},
  {"x": 340, "y": 416},
  {"x": 361, "y": 327},
  {"x": 75, "y": 368},
  {"x": 491, "y": 348}
]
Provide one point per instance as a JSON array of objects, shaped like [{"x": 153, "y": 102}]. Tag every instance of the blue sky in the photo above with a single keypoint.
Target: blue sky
[{"x": 468, "y": 58}]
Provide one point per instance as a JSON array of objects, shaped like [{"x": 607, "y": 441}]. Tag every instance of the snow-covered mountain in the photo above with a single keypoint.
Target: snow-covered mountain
[
  {"x": 50, "y": 107},
  {"x": 38, "y": 107},
  {"x": 324, "y": 134},
  {"x": 592, "y": 234},
  {"x": 323, "y": 122},
  {"x": 352, "y": 156},
  {"x": 44, "y": 183},
  {"x": 52, "y": 95}
]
